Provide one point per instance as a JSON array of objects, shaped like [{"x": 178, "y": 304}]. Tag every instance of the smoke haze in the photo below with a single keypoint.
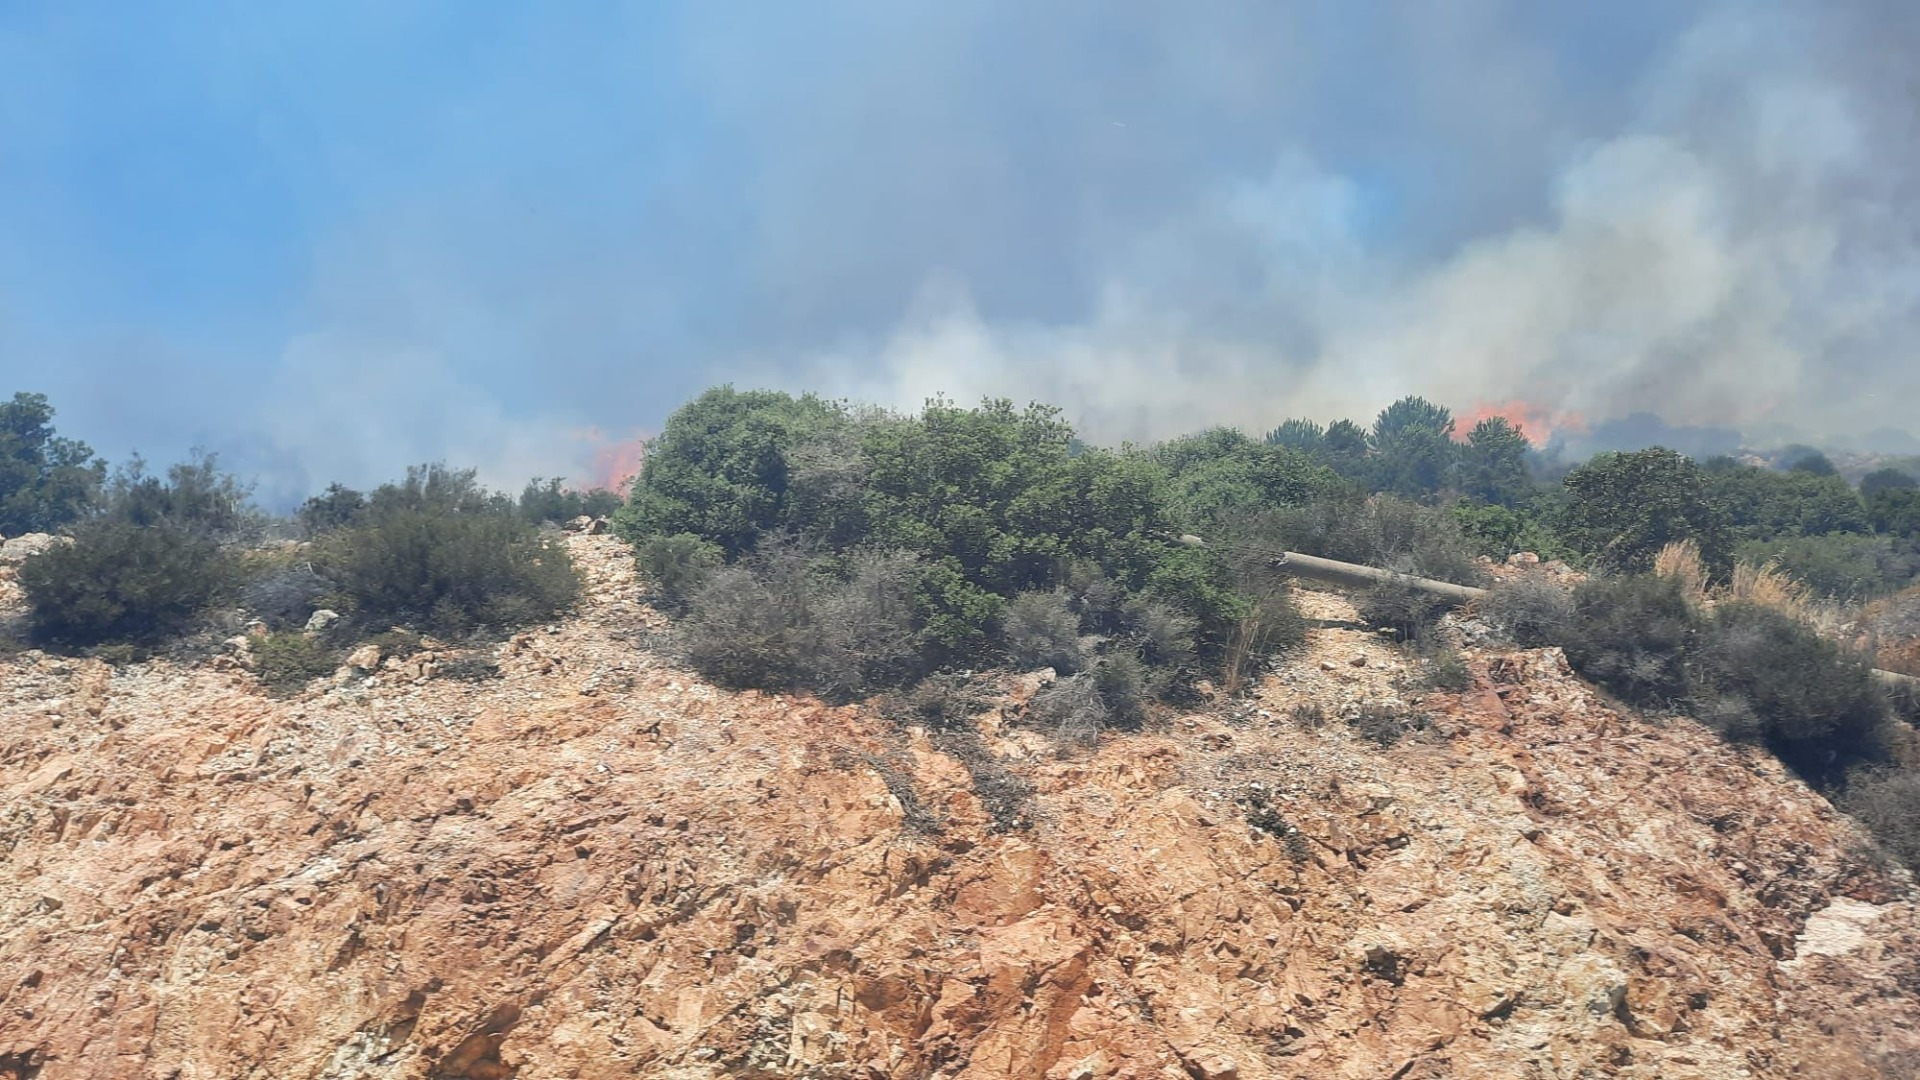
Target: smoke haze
[{"x": 514, "y": 238}]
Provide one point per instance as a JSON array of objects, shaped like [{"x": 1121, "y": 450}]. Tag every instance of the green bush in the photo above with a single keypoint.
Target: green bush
[
  {"x": 1622, "y": 508},
  {"x": 720, "y": 468},
  {"x": 1500, "y": 531},
  {"x": 333, "y": 509},
  {"x": 1766, "y": 676},
  {"x": 1634, "y": 636},
  {"x": 550, "y": 500},
  {"x": 678, "y": 565},
  {"x": 286, "y": 662},
  {"x": 195, "y": 498},
  {"x": 1384, "y": 531},
  {"x": 1881, "y": 480},
  {"x": 441, "y": 556},
  {"x": 1843, "y": 566},
  {"x": 46, "y": 482},
  {"x": 1762, "y": 504},
  {"x": 119, "y": 582}
]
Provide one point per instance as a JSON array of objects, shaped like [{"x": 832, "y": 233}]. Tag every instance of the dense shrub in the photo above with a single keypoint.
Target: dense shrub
[
  {"x": 441, "y": 555},
  {"x": 863, "y": 624},
  {"x": 1622, "y": 508},
  {"x": 286, "y": 662},
  {"x": 1881, "y": 480},
  {"x": 779, "y": 621},
  {"x": 1408, "y": 612},
  {"x": 740, "y": 632},
  {"x": 678, "y": 565},
  {"x": 1042, "y": 630},
  {"x": 1499, "y": 531},
  {"x": 1896, "y": 512},
  {"x": 719, "y": 469},
  {"x": 1222, "y": 473},
  {"x": 1384, "y": 531},
  {"x": 1765, "y": 676},
  {"x": 550, "y": 500},
  {"x": 333, "y": 509},
  {"x": 46, "y": 482},
  {"x": 1762, "y": 504},
  {"x": 122, "y": 582},
  {"x": 1843, "y": 566},
  {"x": 1887, "y": 802},
  {"x": 1634, "y": 635},
  {"x": 282, "y": 589},
  {"x": 1531, "y": 612}
]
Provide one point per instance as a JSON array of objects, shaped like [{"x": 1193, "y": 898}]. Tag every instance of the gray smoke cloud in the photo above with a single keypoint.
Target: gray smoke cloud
[
  {"x": 1740, "y": 250},
  {"x": 508, "y": 237}
]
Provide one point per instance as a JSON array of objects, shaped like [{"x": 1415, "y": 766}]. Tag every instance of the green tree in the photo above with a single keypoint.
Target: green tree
[
  {"x": 1896, "y": 512},
  {"x": 1221, "y": 472},
  {"x": 1493, "y": 468},
  {"x": 1302, "y": 435},
  {"x": 1622, "y": 508},
  {"x": 1413, "y": 447},
  {"x": 1881, "y": 480},
  {"x": 1762, "y": 504},
  {"x": 46, "y": 481}
]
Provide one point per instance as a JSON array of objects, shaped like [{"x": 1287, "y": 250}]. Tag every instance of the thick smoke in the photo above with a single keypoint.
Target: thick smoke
[{"x": 1739, "y": 252}]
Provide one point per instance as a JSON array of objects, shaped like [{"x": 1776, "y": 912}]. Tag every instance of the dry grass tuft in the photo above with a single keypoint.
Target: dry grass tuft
[
  {"x": 1769, "y": 586},
  {"x": 1680, "y": 561}
]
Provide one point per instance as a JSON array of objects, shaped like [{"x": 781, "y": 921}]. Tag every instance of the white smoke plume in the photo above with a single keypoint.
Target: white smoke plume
[{"x": 1742, "y": 251}]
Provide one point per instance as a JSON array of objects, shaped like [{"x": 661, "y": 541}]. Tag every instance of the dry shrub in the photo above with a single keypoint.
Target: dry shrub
[
  {"x": 1041, "y": 630},
  {"x": 1531, "y": 611},
  {"x": 1071, "y": 709},
  {"x": 1680, "y": 563},
  {"x": 944, "y": 701},
  {"x": 1887, "y": 802}
]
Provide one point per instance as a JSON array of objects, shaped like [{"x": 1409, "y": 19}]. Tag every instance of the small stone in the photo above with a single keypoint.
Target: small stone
[
  {"x": 319, "y": 621},
  {"x": 364, "y": 658},
  {"x": 1359, "y": 660}
]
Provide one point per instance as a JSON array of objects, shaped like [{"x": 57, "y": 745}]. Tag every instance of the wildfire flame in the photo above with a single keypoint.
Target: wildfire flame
[
  {"x": 1538, "y": 423},
  {"x": 615, "y": 462}
]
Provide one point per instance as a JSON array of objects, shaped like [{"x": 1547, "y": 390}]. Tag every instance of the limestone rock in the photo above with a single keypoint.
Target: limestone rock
[{"x": 321, "y": 620}]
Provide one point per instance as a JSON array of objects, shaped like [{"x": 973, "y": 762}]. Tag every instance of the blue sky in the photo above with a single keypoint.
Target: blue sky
[{"x": 328, "y": 240}]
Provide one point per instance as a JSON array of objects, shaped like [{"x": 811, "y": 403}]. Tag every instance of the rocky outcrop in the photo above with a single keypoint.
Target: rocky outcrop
[{"x": 596, "y": 865}]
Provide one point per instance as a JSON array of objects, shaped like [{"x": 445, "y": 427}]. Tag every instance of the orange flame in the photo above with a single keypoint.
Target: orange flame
[
  {"x": 1537, "y": 422},
  {"x": 615, "y": 461}
]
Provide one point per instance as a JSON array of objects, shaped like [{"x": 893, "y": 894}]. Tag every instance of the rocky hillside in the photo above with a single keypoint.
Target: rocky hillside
[{"x": 596, "y": 865}]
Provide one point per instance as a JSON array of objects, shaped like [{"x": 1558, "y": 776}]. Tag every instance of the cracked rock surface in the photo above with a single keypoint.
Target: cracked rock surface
[{"x": 597, "y": 865}]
